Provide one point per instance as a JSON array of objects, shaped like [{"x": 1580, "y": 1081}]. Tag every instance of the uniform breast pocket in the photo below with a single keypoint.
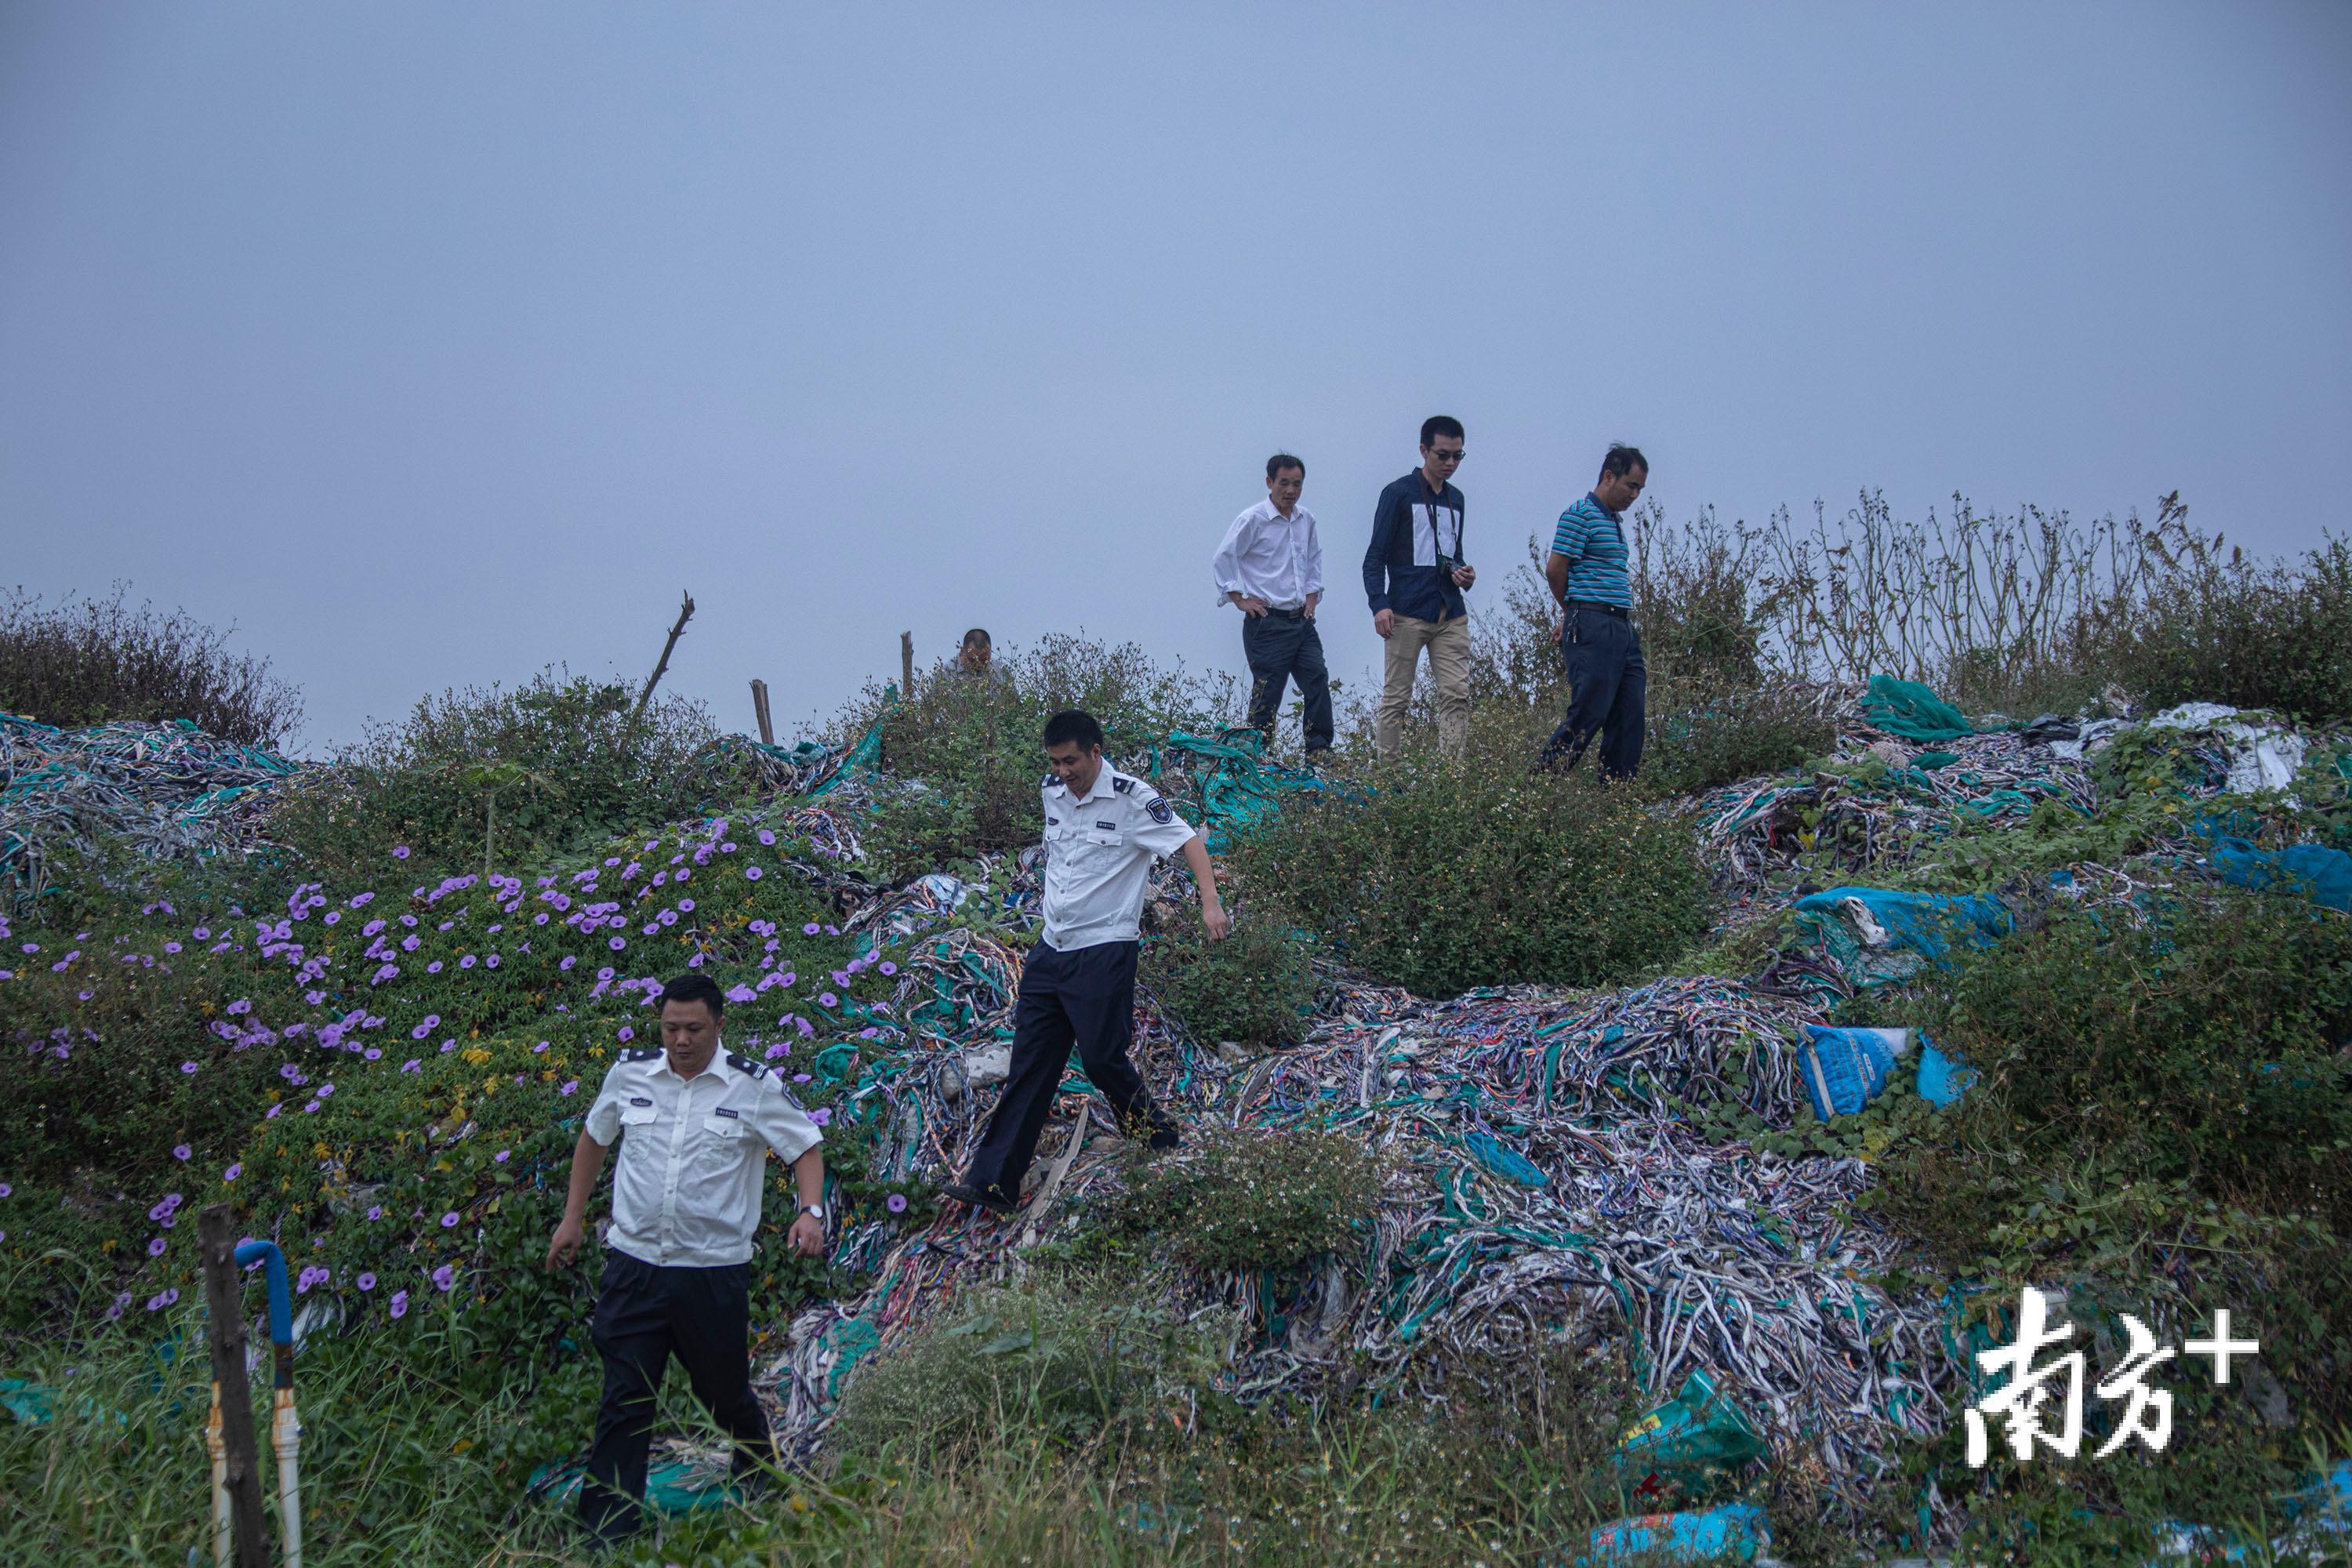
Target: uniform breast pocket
[
  {"x": 638, "y": 1116},
  {"x": 723, "y": 1142}
]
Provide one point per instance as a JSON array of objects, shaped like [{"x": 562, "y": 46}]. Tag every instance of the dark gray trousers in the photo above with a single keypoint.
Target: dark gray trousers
[
  {"x": 1280, "y": 646},
  {"x": 1607, "y": 687}
]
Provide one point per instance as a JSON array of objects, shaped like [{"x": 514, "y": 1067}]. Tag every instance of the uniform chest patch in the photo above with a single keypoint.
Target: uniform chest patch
[
  {"x": 639, "y": 1099},
  {"x": 1107, "y": 826},
  {"x": 732, "y": 1114},
  {"x": 1160, "y": 811}
]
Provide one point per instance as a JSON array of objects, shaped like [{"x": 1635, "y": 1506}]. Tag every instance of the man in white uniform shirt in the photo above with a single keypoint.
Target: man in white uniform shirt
[
  {"x": 695, "y": 1125},
  {"x": 1270, "y": 566},
  {"x": 1103, "y": 830}
]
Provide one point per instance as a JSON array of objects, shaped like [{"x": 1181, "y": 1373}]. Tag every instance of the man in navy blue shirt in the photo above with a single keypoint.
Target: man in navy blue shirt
[{"x": 1413, "y": 576}]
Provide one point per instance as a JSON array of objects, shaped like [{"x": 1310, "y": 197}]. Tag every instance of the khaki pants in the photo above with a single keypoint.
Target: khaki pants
[{"x": 1448, "y": 643}]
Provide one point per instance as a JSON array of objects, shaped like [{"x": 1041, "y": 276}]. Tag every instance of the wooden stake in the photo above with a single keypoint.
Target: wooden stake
[
  {"x": 759, "y": 712},
  {"x": 906, "y": 665},
  {"x": 684, "y": 613},
  {"x": 224, "y": 1301}
]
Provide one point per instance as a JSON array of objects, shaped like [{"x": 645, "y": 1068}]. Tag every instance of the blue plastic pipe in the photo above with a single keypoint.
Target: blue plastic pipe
[{"x": 281, "y": 1305}]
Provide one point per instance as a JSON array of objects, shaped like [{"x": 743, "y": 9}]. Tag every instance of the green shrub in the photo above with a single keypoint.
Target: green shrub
[
  {"x": 2206, "y": 1046},
  {"x": 2225, "y": 628},
  {"x": 2163, "y": 1126},
  {"x": 1255, "y": 988},
  {"x": 1236, "y": 1200},
  {"x": 1706, "y": 732},
  {"x": 491, "y": 773},
  {"x": 1451, "y": 874},
  {"x": 1065, "y": 1361},
  {"x": 966, "y": 756},
  {"x": 381, "y": 1049},
  {"x": 97, "y": 660}
]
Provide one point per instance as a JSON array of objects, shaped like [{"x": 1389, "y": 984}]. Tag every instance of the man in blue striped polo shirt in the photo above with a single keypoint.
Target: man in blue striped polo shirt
[{"x": 1607, "y": 681}]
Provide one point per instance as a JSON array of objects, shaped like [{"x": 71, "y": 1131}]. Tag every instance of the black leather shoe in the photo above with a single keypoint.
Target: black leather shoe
[{"x": 987, "y": 1198}]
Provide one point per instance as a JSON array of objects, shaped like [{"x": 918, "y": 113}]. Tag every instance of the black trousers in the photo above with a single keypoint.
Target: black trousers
[
  {"x": 1280, "y": 646},
  {"x": 1608, "y": 688},
  {"x": 1085, "y": 996},
  {"x": 645, "y": 1314}
]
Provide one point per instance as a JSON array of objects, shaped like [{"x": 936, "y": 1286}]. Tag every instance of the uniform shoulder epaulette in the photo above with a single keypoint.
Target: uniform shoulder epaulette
[
  {"x": 746, "y": 1065},
  {"x": 1053, "y": 780},
  {"x": 640, "y": 1053},
  {"x": 1122, "y": 783}
]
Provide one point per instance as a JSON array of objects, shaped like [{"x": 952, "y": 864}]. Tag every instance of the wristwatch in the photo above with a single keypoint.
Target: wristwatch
[{"x": 814, "y": 1212}]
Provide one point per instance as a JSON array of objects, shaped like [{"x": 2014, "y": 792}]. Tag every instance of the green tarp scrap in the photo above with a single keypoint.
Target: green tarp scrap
[
  {"x": 861, "y": 762},
  {"x": 687, "y": 1482},
  {"x": 1239, "y": 788},
  {"x": 1694, "y": 1441},
  {"x": 1907, "y": 709}
]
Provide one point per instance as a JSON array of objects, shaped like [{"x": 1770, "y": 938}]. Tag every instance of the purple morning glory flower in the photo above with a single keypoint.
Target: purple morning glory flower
[
  {"x": 366, "y": 1281},
  {"x": 888, "y": 967},
  {"x": 809, "y": 929},
  {"x": 568, "y": 960},
  {"x": 896, "y": 1203},
  {"x": 766, "y": 836},
  {"x": 571, "y": 1087},
  {"x": 626, "y": 1034},
  {"x": 449, "y": 1219},
  {"x": 828, "y": 1000},
  {"x": 156, "y": 1246},
  {"x": 234, "y": 1172},
  {"x": 399, "y": 1303},
  {"x": 750, "y": 873},
  {"x": 616, "y": 943},
  {"x": 181, "y": 1151},
  {"x": 444, "y": 1276},
  {"x": 188, "y": 1067},
  {"x": 400, "y": 851}
]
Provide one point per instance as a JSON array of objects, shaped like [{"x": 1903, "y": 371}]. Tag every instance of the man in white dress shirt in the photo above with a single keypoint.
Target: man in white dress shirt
[
  {"x": 1103, "y": 830},
  {"x": 1270, "y": 566},
  {"x": 695, "y": 1123}
]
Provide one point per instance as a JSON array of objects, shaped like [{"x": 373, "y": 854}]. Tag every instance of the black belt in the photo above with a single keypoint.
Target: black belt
[
  {"x": 1286, "y": 614},
  {"x": 1619, "y": 611}
]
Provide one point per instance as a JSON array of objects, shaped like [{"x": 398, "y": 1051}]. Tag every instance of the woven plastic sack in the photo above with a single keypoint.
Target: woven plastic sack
[
  {"x": 1845, "y": 1070},
  {"x": 1734, "y": 1531}
]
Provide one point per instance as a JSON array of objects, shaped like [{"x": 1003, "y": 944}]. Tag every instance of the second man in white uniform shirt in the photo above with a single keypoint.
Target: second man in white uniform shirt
[{"x": 1103, "y": 830}]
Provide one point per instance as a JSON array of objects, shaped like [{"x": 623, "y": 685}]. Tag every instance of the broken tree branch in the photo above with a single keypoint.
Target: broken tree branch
[{"x": 684, "y": 613}]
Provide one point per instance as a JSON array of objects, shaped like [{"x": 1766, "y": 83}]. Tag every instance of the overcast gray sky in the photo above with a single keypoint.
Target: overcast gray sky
[{"x": 433, "y": 342}]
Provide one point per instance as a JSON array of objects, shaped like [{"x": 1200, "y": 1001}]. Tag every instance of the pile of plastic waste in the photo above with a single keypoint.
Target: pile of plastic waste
[{"x": 168, "y": 791}]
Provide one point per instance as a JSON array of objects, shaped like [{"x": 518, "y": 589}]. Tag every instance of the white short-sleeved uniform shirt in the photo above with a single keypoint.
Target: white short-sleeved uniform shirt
[
  {"x": 686, "y": 1190},
  {"x": 1099, "y": 852}
]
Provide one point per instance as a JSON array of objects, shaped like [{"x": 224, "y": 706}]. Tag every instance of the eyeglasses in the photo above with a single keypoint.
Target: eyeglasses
[{"x": 1440, "y": 455}]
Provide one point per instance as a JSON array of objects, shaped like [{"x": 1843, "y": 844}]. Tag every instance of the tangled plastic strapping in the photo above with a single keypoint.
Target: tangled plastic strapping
[
  {"x": 1545, "y": 1188},
  {"x": 167, "y": 791}
]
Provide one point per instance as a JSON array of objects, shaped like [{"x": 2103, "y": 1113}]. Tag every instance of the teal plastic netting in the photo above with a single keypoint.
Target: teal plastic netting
[{"x": 1907, "y": 709}]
